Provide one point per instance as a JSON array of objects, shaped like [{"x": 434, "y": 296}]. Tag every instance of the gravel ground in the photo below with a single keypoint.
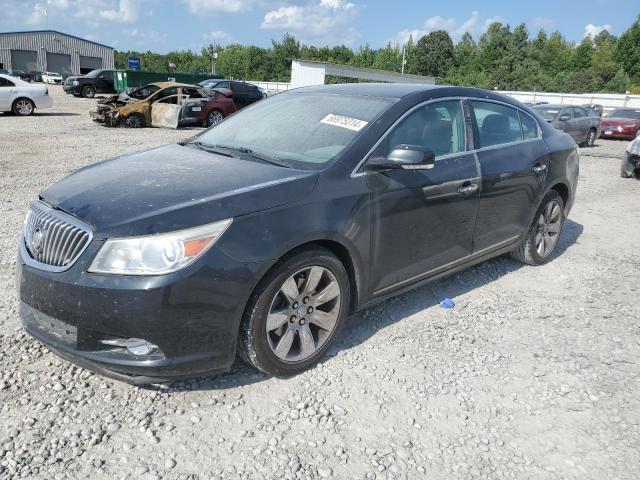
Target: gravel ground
[{"x": 533, "y": 374}]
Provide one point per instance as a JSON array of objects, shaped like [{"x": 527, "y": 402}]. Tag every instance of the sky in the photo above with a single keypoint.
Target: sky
[{"x": 164, "y": 25}]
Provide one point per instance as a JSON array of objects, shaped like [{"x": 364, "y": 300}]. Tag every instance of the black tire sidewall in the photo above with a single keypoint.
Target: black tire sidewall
[
  {"x": 256, "y": 344},
  {"x": 129, "y": 120},
  {"x": 531, "y": 243},
  {"x": 88, "y": 89},
  {"x": 15, "y": 111}
]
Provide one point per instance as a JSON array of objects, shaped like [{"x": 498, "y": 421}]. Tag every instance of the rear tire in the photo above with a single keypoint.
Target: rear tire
[
  {"x": 23, "y": 107},
  {"x": 214, "y": 117},
  {"x": 543, "y": 235},
  {"x": 280, "y": 333},
  {"x": 591, "y": 138}
]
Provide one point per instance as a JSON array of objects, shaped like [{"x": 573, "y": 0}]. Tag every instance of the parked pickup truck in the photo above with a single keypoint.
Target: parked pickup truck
[{"x": 96, "y": 81}]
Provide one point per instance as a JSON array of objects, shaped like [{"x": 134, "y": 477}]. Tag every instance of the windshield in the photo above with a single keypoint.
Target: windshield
[
  {"x": 625, "y": 113},
  {"x": 306, "y": 129},
  {"x": 546, "y": 112},
  {"x": 144, "y": 92},
  {"x": 93, "y": 73},
  {"x": 208, "y": 81}
]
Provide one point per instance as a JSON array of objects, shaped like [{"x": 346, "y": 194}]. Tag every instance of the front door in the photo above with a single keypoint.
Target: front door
[
  {"x": 514, "y": 161},
  {"x": 422, "y": 220}
]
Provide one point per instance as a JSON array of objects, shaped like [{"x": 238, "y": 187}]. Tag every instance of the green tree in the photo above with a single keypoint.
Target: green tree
[
  {"x": 628, "y": 51},
  {"x": 434, "y": 54}
]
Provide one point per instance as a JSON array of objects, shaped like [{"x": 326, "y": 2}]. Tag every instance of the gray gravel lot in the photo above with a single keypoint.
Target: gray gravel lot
[{"x": 534, "y": 374}]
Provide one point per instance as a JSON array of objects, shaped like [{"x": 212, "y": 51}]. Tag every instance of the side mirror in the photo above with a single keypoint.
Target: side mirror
[
  {"x": 564, "y": 117},
  {"x": 407, "y": 157}
]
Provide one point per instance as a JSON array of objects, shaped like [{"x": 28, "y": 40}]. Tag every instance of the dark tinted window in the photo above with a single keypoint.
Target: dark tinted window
[
  {"x": 223, "y": 85},
  {"x": 144, "y": 92},
  {"x": 579, "y": 112},
  {"x": 529, "y": 126},
  {"x": 497, "y": 124},
  {"x": 437, "y": 126},
  {"x": 6, "y": 83}
]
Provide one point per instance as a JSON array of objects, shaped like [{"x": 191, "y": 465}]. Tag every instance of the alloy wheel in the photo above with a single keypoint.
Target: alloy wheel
[
  {"x": 548, "y": 228},
  {"x": 303, "y": 314},
  {"x": 591, "y": 138},
  {"x": 24, "y": 107},
  {"x": 215, "y": 117}
]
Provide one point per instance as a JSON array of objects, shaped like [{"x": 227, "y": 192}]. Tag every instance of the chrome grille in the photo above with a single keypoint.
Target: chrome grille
[{"x": 53, "y": 239}]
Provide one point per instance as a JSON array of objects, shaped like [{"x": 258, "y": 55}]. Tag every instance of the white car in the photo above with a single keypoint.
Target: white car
[
  {"x": 21, "y": 97},
  {"x": 51, "y": 77}
]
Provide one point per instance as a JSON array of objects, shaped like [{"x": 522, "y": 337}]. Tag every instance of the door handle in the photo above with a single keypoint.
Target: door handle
[
  {"x": 468, "y": 189},
  {"x": 539, "y": 169}
]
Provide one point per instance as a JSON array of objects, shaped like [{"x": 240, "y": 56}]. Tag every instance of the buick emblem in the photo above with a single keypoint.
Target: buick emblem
[{"x": 36, "y": 240}]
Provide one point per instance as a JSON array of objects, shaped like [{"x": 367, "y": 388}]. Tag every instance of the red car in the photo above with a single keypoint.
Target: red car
[{"x": 621, "y": 123}]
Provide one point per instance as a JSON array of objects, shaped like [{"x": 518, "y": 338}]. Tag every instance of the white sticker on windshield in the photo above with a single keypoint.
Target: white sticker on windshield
[{"x": 344, "y": 122}]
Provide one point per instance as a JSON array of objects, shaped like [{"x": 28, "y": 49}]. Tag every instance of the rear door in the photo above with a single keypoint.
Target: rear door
[
  {"x": 514, "y": 161},
  {"x": 239, "y": 94},
  {"x": 422, "y": 220},
  {"x": 104, "y": 82},
  {"x": 7, "y": 93}
]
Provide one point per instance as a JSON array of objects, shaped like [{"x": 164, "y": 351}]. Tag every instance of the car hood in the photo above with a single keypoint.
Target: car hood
[{"x": 173, "y": 187}]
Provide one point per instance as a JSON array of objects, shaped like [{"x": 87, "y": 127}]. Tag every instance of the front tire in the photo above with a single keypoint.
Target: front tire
[
  {"x": 88, "y": 91},
  {"x": 543, "y": 235},
  {"x": 295, "y": 313},
  {"x": 23, "y": 107},
  {"x": 135, "y": 120}
]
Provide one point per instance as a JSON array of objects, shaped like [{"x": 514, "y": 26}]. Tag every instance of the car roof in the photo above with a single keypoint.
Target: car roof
[{"x": 172, "y": 84}]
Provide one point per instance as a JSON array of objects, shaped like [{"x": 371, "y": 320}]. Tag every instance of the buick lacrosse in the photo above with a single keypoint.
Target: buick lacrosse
[{"x": 259, "y": 236}]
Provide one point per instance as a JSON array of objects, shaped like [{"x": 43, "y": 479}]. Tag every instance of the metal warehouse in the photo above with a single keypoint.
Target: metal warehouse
[{"x": 48, "y": 50}]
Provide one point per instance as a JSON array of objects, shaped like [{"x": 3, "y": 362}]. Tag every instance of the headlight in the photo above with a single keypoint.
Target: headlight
[
  {"x": 75, "y": 83},
  {"x": 156, "y": 254}
]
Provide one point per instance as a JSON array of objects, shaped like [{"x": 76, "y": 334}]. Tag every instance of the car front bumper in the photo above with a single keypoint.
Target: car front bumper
[
  {"x": 193, "y": 317},
  {"x": 75, "y": 89}
]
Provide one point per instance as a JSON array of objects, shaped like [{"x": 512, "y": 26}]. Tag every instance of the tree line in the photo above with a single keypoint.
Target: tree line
[{"x": 502, "y": 58}]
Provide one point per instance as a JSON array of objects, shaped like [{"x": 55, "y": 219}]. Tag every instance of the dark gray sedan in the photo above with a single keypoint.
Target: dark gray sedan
[{"x": 583, "y": 124}]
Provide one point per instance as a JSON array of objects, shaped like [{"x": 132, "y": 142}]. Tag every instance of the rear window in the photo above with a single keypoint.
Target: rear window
[
  {"x": 625, "y": 113},
  {"x": 497, "y": 124}
]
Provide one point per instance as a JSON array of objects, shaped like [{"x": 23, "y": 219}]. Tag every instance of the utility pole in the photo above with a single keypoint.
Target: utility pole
[
  {"x": 404, "y": 58},
  {"x": 214, "y": 57}
]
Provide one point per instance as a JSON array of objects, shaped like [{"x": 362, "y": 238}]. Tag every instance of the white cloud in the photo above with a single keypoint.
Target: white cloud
[
  {"x": 146, "y": 36},
  {"x": 325, "y": 22},
  {"x": 127, "y": 12},
  {"x": 451, "y": 25},
  {"x": 38, "y": 15},
  {"x": 217, "y": 36},
  {"x": 222, "y": 6},
  {"x": 591, "y": 30}
]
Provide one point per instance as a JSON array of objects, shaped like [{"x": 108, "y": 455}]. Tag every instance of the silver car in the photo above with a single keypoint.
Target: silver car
[{"x": 583, "y": 124}]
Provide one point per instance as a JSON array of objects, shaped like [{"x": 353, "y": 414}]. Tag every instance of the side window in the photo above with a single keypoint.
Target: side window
[
  {"x": 223, "y": 85},
  {"x": 438, "y": 126},
  {"x": 497, "y": 124},
  {"x": 191, "y": 93},
  {"x": 579, "y": 113},
  {"x": 565, "y": 112},
  {"x": 6, "y": 83},
  {"x": 529, "y": 126}
]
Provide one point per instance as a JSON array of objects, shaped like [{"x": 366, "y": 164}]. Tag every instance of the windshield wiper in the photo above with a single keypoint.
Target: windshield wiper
[
  {"x": 251, "y": 153},
  {"x": 207, "y": 148}
]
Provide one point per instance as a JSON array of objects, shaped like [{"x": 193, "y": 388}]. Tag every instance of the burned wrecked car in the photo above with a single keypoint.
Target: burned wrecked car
[{"x": 165, "y": 104}]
